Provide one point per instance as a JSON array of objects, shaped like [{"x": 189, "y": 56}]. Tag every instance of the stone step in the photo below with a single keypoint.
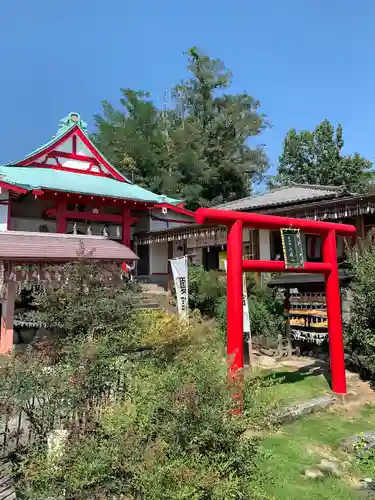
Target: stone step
[
  {"x": 148, "y": 305},
  {"x": 153, "y": 289}
]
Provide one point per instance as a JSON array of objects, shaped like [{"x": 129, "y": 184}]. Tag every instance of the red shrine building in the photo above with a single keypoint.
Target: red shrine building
[{"x": 68, "y": 186}]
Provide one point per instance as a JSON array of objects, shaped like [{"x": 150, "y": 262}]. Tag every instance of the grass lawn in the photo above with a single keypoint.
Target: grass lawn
[
  {"x": 302, "y": 444},
  {"x": 297, "y": 386}
]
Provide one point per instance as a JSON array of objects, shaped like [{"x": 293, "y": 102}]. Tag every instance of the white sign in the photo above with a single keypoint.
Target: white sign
[
  {"x": 180, "y": 277},
  {"x": 245, "y": 303}
]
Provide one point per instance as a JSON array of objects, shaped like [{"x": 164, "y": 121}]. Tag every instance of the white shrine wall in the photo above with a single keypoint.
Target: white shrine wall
[
  {"x": 4, "y": 207},
  {"x": 159, "y": 258},
  {"x": 264, "y": 244},
  {"x": 160, "y": 221}
]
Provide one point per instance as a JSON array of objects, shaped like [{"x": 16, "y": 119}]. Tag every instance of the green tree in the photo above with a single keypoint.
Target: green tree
[
  {"x": 316, "y": 158},
  {"x": 360, "y": 330},
  {"x": 198, "y": 148}
]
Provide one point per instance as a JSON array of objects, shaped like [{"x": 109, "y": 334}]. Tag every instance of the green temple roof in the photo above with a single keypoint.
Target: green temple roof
[
  {"x": 35, "y": 178},
  {"x": 30, "y": 178}
]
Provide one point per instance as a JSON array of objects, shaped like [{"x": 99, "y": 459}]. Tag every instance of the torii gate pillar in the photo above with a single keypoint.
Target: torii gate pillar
[{"x": 235, "y": 221}]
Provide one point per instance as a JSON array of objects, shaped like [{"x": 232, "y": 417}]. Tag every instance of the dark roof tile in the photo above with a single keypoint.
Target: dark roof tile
[{"x": 283, "y": 196}]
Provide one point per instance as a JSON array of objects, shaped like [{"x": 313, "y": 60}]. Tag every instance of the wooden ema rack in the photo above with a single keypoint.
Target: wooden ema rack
[{"x": 308, "y": 317}]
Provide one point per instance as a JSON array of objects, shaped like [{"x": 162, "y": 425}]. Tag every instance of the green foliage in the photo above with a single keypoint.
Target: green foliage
[
  {"x": 205, "y": 289},
  {"x": 365, "y": 458},
  {"x": 196, "y": 148},
  {"x": 265, "y": 312},
  {"x": 85, "y": 297},
  {"x": 360, "y": 332},
  {"x": 167, "y": 433},
  {"x": 207, "y": 292},
  {"x": 316, "y": 158}
]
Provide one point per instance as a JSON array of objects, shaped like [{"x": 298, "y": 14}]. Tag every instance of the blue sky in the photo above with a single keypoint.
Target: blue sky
[{"x": 305, "y": 60}]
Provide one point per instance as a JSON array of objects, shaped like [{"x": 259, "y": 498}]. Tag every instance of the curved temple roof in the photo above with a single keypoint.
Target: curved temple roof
[
  {"x": 36, "y": 178},
  {"x": 71, "y": 163}
]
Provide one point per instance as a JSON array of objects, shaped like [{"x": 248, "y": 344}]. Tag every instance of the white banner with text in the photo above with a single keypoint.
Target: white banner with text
[{"x": 179, "y": 267}]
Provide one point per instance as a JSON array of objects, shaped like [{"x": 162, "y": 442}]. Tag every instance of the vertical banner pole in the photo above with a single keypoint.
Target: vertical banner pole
[
  {"x": 246, "y": 319},
  {"x": 335, "y": 337}
]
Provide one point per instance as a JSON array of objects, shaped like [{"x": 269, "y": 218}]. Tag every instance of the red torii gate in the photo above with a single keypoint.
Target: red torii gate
[{"x": 235, "y": 221}]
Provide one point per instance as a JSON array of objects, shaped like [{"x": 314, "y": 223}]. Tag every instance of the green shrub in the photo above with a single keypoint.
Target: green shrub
[
  {"x": 265, "y": 312},
  {"x": 169, "y": 437},
  {"x": 360, "y": 331},
  {"x": 205, "y": 288},
  {"x": 85, "y": 297},
  {"x": 167, "y": 434}
]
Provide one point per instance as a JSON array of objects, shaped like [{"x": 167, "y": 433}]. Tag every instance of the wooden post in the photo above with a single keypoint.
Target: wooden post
[
  {"x": 60, "y": 218},
  {"x": 287, "y": 321},
  {"x": 360, "y": 235},
  {"x": 126, "y": 222},
  {"x": 7, "y": 315},
  {"x": 250, "y": 351}
]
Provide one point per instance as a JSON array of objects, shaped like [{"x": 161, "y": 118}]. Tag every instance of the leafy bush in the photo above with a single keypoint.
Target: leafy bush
[
  {"x": 166, "y": 434},
  {"x": 83, "y": 297},
  {"x": 205, "y": 288},
  {"x": 360, "y": 332},
  {"x": 265, "y": 311}
]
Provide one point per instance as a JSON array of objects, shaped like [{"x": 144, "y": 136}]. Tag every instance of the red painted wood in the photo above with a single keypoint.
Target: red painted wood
[
  {"x": 333, "y": 298},
  {"x": 60, "y": 217},
  {"x": 73, "y": 156},
  {"x": 235, "y": 222},
  {"x": 74, "y": 143},
  {"x": 9, "y": 213},
  {"x": 235, "y": 344},
  {"x": 127, "y": 221},
  {"x": 69, "y": 169},
  {"x": 60, "y": 140},
  {"x": 270, "y": 266},
  {"x": 175, "y": 208},
  {"x": 10, "y": 187},
  {"x": 97, "y": 155},
  {"x": 97, "y": 200},
  {"x": 48, "y": 149},
  {"x": 226, "y": 217}
]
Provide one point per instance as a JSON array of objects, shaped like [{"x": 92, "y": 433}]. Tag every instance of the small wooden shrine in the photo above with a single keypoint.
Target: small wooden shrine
[{"x": 27, "y": 257}]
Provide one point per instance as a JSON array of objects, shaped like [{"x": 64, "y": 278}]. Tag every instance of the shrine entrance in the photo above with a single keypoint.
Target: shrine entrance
[{"x": 235, "y": 223}]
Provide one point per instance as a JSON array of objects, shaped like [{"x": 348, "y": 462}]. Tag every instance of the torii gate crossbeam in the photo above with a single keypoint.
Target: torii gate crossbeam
[{"x": 235, "y": 222}]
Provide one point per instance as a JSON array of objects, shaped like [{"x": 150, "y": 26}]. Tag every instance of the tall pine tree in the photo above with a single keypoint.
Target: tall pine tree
[{"x": 198, "y": 149}]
